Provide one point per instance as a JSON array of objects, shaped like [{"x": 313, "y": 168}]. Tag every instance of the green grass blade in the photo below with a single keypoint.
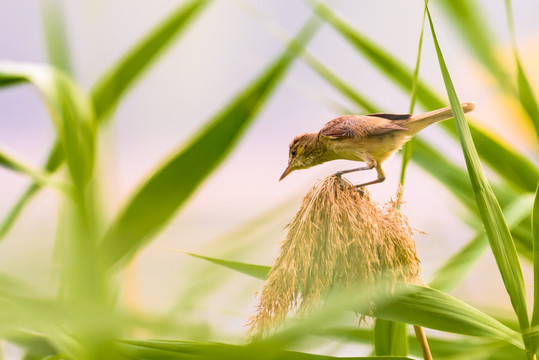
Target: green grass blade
[
  {"x": 167, "y": 349},
  {"x": 70, "y": 109},
  {"x": 498, "y": 233},
  {"x": 453, "y": 271},
  {"x": 434, "y": 309},
  {"x": 173, "y": 183},
  {"x": 535, "y": 242},
  {"x": 507, "y": 162},
  {"x": 390, "y": 338},
  {"x": 527, "y": 97},
  {"x": 56, "y": 34},
  {"x": 110, "y": 88},
  {"x": 257, "y": 271},
  {"x": 408, "y": 148}
]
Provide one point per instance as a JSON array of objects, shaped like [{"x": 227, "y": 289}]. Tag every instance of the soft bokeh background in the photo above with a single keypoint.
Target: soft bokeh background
[{"x": 219, "y": 54}]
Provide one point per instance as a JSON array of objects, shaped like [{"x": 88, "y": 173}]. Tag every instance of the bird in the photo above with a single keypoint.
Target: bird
[{"x": 371, "y": 139}]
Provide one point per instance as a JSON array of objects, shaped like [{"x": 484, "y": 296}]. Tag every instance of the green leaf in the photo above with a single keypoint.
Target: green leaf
[
  {"x": 256, "y": 271},
  {"x": 110, "y": 87},
  {"x": 453, "y": 271},
  {"x": 70, "y": 109},
  {"x": 535, "y": 242},
  {"x": 390, "y": 338},
  {"x": 434, "y": 309},
  {"x": 507, "y": 162},
  {"x": 172, "y": 184},
  {"x": 56, "y": 32},
  {"x": 167, "y": 349},
  {"x": 497, "y": 230}
]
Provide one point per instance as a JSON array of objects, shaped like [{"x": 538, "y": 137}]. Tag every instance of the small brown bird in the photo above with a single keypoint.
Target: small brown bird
[{"x": 368, "y": 138}]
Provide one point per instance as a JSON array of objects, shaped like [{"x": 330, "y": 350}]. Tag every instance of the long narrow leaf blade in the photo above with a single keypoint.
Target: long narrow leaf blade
[
  {"x": 257, "y": 271},
  {"x": 436, "y": 310},
  {"x": 500, "y": 239},
  {"x": 166, "y": 349},
  {"x": 535, "y": 242},
  {"x": 171, "y": 185},
  {"x": 110, "y": 88}
]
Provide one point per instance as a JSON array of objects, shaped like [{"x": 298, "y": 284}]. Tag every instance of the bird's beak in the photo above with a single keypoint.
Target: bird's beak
[{"x": 288, "y": 170}]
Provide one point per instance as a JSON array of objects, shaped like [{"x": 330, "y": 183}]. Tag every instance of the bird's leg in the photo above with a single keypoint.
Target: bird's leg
[
  {"x": 381, "y": 177},
  {"x": 339, "y": 174}
]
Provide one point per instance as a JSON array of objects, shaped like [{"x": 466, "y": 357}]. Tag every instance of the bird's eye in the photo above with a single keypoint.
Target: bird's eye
[{"x": 293, "y": 152}]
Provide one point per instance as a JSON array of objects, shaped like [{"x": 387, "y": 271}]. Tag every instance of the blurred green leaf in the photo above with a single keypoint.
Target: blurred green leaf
[
  {"x": 390, "y": 338},
  {"x": 535, "y": 242},
  {"x": 256, "y": 271},
  {"x": 167, "y": 349},
  {"x": 110, "y": 87},
  {"x": 70, "y": 109},
  {"x": 55, "y": 29},
  {"x": 152, "y": 206},
  {"x": 498, "y": 233},
  {"x": 507, "y": 162},
  {"x": 449, "y": 275}
]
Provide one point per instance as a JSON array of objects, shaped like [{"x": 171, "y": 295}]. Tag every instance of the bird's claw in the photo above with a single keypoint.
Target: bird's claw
[
  {"x": 339, "y": 177},
  {"x": 359, "y": 188}
]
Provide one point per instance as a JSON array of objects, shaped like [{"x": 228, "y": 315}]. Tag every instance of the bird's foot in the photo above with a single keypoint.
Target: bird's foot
[
  {"x": 338, "y": 174},
  {"x": 360, "y": 190}
]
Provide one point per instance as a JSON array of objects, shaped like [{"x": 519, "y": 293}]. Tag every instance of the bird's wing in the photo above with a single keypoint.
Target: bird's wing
[{"x": 350, "y": 126}]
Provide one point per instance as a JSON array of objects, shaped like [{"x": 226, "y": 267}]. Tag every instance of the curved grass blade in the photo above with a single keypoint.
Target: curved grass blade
[
  {"x": 507, "y": 162},
  {"x": 173, "y": 183},
  {"x": 525, "y": 92},
  {"x": 70, "y": 109},
  {"x": 452, "y": 272},
  {"x": 434, "y": 309},
  {"x": 498, "y": 233},
  {"x": 168, "y": 349},
  {"x": 110, "y": 87}
]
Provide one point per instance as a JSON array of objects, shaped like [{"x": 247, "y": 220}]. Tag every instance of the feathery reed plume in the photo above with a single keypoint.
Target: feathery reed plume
[{"x": 338, "y": 238}]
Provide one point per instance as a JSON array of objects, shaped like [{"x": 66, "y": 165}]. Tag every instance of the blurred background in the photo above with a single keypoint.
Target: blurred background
[{"x": 240, "y": 211}]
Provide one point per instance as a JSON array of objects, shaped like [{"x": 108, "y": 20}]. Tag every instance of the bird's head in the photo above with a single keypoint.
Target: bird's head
[{"x": 302, "y": 153}]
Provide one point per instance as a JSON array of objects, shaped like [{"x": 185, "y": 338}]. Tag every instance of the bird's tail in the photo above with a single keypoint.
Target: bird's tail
[{"x": 441, "y": 114}]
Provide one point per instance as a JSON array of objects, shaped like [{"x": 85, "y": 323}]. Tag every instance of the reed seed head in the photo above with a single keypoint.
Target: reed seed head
[{"x": 339, "y": 238}]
